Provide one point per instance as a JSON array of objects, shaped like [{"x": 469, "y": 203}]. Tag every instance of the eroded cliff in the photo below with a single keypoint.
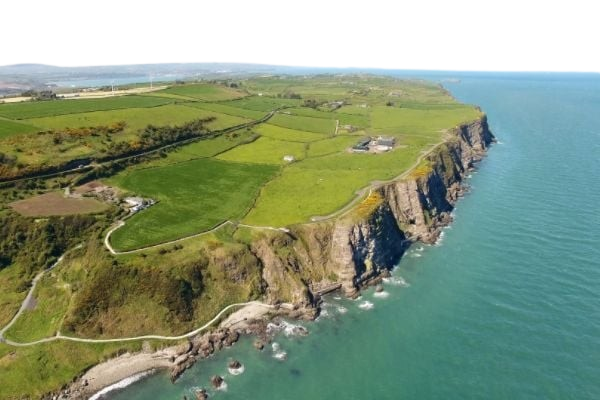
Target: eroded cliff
[{"x": 358, "y": 246}]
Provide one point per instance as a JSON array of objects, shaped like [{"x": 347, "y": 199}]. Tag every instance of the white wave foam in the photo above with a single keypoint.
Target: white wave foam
[
  {"x": 341, "y": 309},
  {"x": 381, "y": 295},
  {"x": 287, "y": 328},
  {"x": 440, "y": 239},
  {"x": 396, "y": 281},
  {"x": 337, "y": 297},
  {"x": 237, "y": 371},
  {"x": 366, "y": 305},
  {"x": 121, "y": 384},
  {"x": 223, "y": 387},
  {"x": 278, "y": 353}
]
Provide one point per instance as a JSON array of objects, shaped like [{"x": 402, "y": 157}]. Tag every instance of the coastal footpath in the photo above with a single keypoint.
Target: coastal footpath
[{"x": 351, "y": 251}]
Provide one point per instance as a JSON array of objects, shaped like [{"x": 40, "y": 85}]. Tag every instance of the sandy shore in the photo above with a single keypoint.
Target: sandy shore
[
  {"x": 124, "y": 366},
  {"x": 113, "y": 371}
]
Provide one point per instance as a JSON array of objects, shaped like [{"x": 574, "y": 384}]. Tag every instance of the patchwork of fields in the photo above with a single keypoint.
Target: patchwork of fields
[
  {"x": 192, "y": 197},
  {"x": 293, "y": 167}
]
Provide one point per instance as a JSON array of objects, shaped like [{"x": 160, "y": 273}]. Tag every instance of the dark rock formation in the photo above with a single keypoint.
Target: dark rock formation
[{"x": 216, "y": 381}]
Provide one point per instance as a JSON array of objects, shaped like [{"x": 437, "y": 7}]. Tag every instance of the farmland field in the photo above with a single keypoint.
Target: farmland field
[
  {"x": 138, "y": 118},
  {"x": 193, "y": 196},
  {"x": 292, "y": 135},
  {"x": 265, "y": 151},
  {"x": 205, "y": 92},
  {"x": 37, "y": 109},
  {"x": 263, "y": 103},
  {"x": 224, "y": 108},
  {"x": 11, "y": 128},
  {"x": 309, "y": 124},
  {"x": 203, "y": 148},
  {"x": 236, "y": 175},
  {"x": 54, "y": 203},
  {"x": 331, "y": 145},
  {"x": 391, "y": 120}
]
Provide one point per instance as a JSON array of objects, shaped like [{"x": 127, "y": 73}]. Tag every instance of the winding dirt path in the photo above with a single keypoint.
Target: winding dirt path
[
  {"x": 373, "y": 186},
  {"x": 28, "y": 300},
  {"x": 135, "y": 338},
  {"x": 122, "y": 223}
]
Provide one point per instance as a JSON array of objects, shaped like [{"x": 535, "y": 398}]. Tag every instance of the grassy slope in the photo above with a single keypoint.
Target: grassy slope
[
  {"x": 138, "y": 118},
  {"x": 39, "y": 109},
  {"x": 202, "y": 149},
  {"x": 205, "y": 92},
  {"x": 263, "y": 103},
  {"x": 52, "y": 296},
  {"x": 11, "y": 128},
  {"x": 310, "y": 124},
  {"x": 321, "y": 185},
  {"x": 10, "y": 296},
  {"x": 194, "y": 196},
  {"x": 34, "y": 371},
  {"x": 223, "y": 108},
  {"x": 265, "y": 151},
  {"x": 291, "y": 135},
  {"x": 194, "y": 192}
]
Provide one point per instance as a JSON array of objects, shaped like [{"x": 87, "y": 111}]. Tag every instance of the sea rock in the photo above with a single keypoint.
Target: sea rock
[
  {"x": 379, "y": 288},
  {"x": 231, "y": 338},
  {"x": 216, "y": 381},
  {"x": 234, "y": 364},
  {"x": 201, "y": 394},
  {"x": 259, "y": 344}
]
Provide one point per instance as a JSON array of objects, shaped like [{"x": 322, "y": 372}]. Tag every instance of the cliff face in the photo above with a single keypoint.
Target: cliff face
[{"x": 358, "y": 246}]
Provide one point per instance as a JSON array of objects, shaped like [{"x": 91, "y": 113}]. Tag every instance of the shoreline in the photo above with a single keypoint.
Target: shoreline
[
  {"x": 123, "y": 370},
  {"x": 403, "y": 200}
]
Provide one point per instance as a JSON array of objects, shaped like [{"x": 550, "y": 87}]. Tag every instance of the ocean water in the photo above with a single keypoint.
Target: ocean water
[{"x": 505, "y": 306}]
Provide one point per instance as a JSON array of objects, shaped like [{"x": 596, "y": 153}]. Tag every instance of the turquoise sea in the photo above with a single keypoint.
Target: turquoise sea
[{"x": 506, "y": 306}]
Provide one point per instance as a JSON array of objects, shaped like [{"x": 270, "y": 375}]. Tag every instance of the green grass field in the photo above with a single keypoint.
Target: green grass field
[
  {"x": 309, "y": 124},
  {"x": 11, "y": 128},
  {"x": 392, "y": 120},
  {"x": 265, "y": 151},
  {"x": 332, "y": 145},
  {"x": 138, "y": 118},
  {"x": 52, "y": 299},
  {"x": 240, "y": 175},
  {"x": 37, "y": 109},
  {"x": 12, "y": 293},
  {"x": 356, "y": 120},
  {"x": 263, "y": 103},
  {"x": 292, "y": 135},
  {"x": 224, "y": 108},
  {"x": 204, "y": 92},
  {"x": 193, "y": 196},
  {"x": 31, "y": 372},
  {"x": 202, "y": 149}
]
